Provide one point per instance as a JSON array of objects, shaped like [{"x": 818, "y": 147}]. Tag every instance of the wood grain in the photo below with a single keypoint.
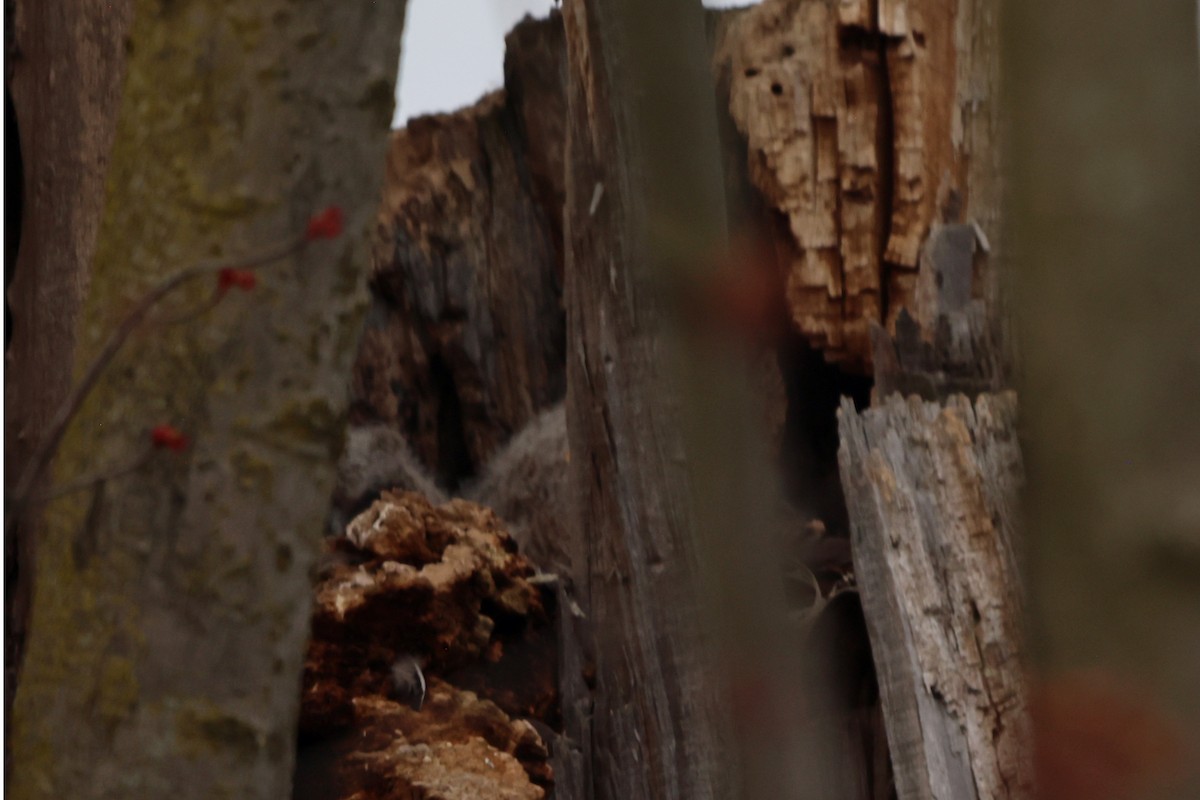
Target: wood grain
[{"x": 932, "y": 493}]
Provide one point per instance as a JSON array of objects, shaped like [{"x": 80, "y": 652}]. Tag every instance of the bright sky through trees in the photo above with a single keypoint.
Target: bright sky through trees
[{"x": 453, "y": 51}]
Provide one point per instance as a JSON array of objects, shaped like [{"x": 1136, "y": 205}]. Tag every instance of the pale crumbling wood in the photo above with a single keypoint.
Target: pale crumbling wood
[
  {"x": 865, "y": 128},
  {"x": 932, "y": 494},
  {"x": 811, "y": 121}
]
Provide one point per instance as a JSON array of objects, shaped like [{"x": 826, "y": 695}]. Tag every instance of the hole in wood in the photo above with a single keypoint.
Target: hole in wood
[
  {"x": 919, "y": 38},
  {"x": 788, "y": 51},
  {"x": 751, "y": 72},
  {"x": 776, "y": 89},
  {"x": 814, "y": 388}
]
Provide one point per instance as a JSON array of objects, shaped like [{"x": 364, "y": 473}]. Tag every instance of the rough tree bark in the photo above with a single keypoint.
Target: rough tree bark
[
  {"x": 634, "y": 213},
  {"x": 65, "y": 63},
  {"x": 870, "y": 134},
  {"x": 168, "y": 625},
  {"x": 464, "y": 344},
  {"x": 1105, "y": 100}
]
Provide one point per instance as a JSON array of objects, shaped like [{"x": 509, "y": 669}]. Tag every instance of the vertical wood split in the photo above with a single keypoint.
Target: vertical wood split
[
  {"x": 864, "y": 131},
  {"x": 932, "y": 492}
]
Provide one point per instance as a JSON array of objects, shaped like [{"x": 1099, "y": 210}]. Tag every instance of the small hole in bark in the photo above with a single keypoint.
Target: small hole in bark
[
  {"x": 788, "y": 51},
  {"x": 919, "y": 38},
  {"x": 751, "y": 72},
  {"x": 776, "y": 89}
]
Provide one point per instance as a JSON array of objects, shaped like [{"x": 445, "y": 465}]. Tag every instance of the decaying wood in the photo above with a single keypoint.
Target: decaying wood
[
  {"x": 442, "y": 583},
  {"x": 869, "y": 130},
  {"x": 965, "y": 351},
  {"x": 465, "y": 341},
  {"x": 635, "y": 205},
  {"x": 866, "y": 125},
  {"x": 932, "y": 492}
]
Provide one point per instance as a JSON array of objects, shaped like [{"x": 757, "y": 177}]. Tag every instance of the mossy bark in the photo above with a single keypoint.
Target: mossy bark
[
  {"x": 64, "y": 66},
  {"x": 171, "y": 607}
]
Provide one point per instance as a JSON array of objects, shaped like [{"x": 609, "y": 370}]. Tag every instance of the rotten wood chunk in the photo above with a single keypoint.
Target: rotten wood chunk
[
  {"x": 864, "y": 127},
  {"x": 442, "y": 585},
  {"x": 812, "y": 122},
  {"x": 860, "y": 130},
  {"x": 458, "y": 747},
  {"x": 932, "y": 494},
  {"x": 465, "y": 340}
]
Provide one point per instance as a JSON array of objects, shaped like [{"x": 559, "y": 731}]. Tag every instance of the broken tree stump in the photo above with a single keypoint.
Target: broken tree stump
[{"x": 932, "y": 493}]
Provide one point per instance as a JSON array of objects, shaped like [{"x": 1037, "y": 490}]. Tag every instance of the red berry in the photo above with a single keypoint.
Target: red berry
[
  {"x": 325, "y": 224},
  {"x": 241, "y": 278},
  {"x": 168, "y": 437}
]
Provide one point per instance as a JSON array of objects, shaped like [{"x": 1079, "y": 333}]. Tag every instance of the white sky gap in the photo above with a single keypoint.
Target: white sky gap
[{"x": 453, "y": 51}]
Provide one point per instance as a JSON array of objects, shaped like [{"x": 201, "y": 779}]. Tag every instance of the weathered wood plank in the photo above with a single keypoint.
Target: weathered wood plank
[
  {"x": 642, "y": 178},
  {"x": 932, "y": 500}
]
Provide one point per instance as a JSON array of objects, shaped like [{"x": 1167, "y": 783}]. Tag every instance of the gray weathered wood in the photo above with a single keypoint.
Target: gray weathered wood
[
  {"x": 932, "y": 494},
  {"x": 657, "y": 728}
]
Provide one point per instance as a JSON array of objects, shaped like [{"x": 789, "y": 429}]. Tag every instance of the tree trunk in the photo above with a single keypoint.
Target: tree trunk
[
  {"x": 657, "y": 730},
  {"x": 169, "y": 621},
  {"x": 930, "y": 486},
  {"x": 1106, "y": 149},
  {"x": 870, "y": 136},
  {"x": 65, "y": 67},
  {"x": 465, "y": 341}
]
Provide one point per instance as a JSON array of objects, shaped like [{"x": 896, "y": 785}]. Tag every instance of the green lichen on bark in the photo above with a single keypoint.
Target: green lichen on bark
[
  {"x": 204, "y": 729},
  {"x": 118, "y": 689},
  {"x": 229, "y": 136}
]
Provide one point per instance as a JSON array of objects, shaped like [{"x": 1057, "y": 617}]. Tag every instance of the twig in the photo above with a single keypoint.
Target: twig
[
  {"x": 71, "y": 405},
  {"x": 88, "y": 481},
  {"x": 189, "y": 316}
]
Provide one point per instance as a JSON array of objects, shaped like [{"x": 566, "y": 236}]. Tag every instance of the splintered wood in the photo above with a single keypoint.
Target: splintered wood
[
  {"x": 860, "y": 122},
  {"x": 932, "y": 494}
]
